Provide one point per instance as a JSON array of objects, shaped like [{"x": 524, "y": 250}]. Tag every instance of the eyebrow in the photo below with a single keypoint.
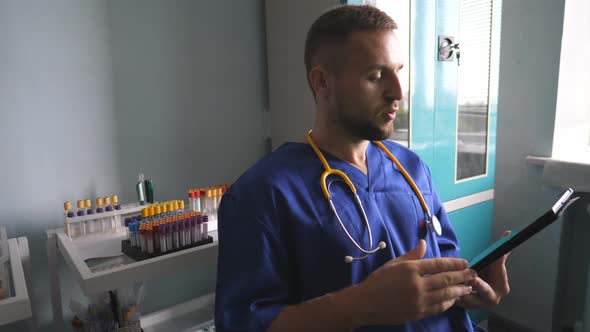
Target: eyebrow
[{"x": 381, "y": 66}]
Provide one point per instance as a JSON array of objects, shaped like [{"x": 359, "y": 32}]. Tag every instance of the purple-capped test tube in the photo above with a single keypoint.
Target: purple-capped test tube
[
  {"x": 168, "y": 232},
  {"x": 181, "y": 233},
  {"x": 157, "y": 230},
  {"x": 175, "y": 240},
  {"x": 205, "y": 231},
  {"x": 162, "y": 239},
  {"x": 194, "y": 237},
  {"x": 199, "y": 227},
  {"x": 187, "y": 231}
]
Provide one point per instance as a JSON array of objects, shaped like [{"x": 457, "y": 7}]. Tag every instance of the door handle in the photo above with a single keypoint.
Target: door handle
[{"x": 447, "y": 48}]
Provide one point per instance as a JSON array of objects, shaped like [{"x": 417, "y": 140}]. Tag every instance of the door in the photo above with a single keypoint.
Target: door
[{"x": 452, "y": 104}]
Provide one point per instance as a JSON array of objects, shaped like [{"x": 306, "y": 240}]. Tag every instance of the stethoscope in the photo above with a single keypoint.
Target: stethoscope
[{"x": 431, "y": 221}]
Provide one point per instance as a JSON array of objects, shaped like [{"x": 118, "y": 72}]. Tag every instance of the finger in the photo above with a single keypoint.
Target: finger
[
  {"x": 440, "y": 307},
  {"x": 417, "y": 253},
  {"x": 484, "y": 291},
  {"x": 445, "y": 279},
  {"x": 470, "y": 301},
  {"x": 447, "y": 294},
  {"x": 438, "y": 265},
  {"x": 506, "y": 233}
]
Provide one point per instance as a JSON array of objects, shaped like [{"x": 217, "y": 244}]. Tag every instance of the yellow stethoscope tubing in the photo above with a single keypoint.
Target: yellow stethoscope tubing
[
  {"x": 328, "y": 171},
  {"x": 407, "y": 176}
]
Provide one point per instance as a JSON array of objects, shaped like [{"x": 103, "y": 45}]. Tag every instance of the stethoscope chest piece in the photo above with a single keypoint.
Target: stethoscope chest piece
[
  {"x": 436, "y": 225},
  {"x": 429, "y": 225}
]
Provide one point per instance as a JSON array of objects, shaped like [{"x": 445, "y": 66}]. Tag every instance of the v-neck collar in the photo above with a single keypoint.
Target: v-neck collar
[{"x": 362, "y": 181}]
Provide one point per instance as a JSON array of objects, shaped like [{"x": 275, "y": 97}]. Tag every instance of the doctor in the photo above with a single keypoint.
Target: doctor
[{"x": 299, "y": 252}]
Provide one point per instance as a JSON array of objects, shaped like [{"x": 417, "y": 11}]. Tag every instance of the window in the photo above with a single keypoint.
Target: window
[
  {"x": 475, "y": 38},
  {"x": 399, "y": 10},
  {"x": 571, "y": 139}
]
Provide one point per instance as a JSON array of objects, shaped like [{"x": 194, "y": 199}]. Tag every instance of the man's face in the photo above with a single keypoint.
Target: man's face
[{"x": 366, "y": 86}]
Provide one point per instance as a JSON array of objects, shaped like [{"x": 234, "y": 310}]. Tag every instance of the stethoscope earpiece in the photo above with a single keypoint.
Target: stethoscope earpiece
[{"x": 349, "y": 259}]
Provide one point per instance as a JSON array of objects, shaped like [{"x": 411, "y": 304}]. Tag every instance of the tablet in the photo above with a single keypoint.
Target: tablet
[{"x": 514, "y": 239}]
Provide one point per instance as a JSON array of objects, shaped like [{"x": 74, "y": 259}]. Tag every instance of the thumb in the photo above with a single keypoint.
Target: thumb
[{"x": 417, "y": 253}]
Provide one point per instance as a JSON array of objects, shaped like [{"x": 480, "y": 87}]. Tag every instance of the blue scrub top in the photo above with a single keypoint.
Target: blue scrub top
[{"x": 280, "y": 243}]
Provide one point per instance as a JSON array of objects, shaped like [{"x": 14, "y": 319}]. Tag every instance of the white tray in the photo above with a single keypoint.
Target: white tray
[
  {"x": 128, "y": 271},
  {"x": 17, "y": 307}
]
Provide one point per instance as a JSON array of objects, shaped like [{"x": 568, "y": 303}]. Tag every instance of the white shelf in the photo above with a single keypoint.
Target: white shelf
[
  {"x": 185, "y": 317},
  {"x": 17, "y": 307},
  {"x": 128, "y": 271}
]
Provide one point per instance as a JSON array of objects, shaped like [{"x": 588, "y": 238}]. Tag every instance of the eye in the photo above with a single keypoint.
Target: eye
[{"x": 374, "y": 77}]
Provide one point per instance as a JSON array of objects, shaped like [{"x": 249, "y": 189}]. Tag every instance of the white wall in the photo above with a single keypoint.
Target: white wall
[
  {"x": 190, "y": 91},
  {"x": 292, "y": 108},
  {"x": 56, "y": 130},
  {"x": 529, "y": 65},
  {"x": 93, "y": 92}
]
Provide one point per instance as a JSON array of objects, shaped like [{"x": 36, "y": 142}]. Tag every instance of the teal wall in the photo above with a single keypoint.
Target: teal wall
[{"x": 473, "y": 226}]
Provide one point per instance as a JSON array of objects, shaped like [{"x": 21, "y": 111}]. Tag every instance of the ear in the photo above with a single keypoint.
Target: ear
[{"x": 319, "y": 79}]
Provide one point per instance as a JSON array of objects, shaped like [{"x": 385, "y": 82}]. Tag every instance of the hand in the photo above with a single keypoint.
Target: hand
[
  {"x": 410, "y": 288},
  {"x": 490, "y": 287}
]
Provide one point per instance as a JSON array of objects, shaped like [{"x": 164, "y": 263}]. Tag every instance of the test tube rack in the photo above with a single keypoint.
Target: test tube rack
[
  {"x": 79, "y": 222},
  {"x": 139, "y": 255}
]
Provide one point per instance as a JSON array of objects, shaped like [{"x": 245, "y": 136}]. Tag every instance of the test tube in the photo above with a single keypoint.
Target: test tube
[
  {"x": 181, "y": 232},
  {"x": 98, "y": 222},
  {"x": 197, "y": 195},
  {"x": 151, "y": 212},
  {"x": 108, "y": 222},
  {"x": 144, "y": 215},
  {"x": 199, "y": 228},
  {"x": 156, "y": 228},
  {"x": 181, "y": 205},
  {"x": 208, "y": 201},
  {"x": 205, "y": 231},
  {"x": 193, "y": 221},
  {"x": 80, "y": 213},
  {"x": 157, "y": 211},
  {"x": 69, "y": 214},
  {"x": 191, "y": 205},
  {"x": 136, "y": 224},
  {"x": 115, "y": 200},
  {"x": 216, "y": 199},
  {"x": 127, "y": 226},
  {"x": 150, "y": 239},
  {"x": 162, "y": 237},
  {"x": 169, "y": 245},
  {"x": 117, "y": 219},
  {"x": 187, "y": 231},
  {"x": 201, "y": 200},
  {"x": 89, "y": 223},
  {"x": 175, "y": 237},
  {"x": 143, "y": 238}
]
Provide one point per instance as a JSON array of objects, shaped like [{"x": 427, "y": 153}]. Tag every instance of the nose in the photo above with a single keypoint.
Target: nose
[{"x": 394, "y": 88}]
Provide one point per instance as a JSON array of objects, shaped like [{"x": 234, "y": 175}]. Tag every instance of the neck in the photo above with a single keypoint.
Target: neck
[{"x": 341, "y": 145}]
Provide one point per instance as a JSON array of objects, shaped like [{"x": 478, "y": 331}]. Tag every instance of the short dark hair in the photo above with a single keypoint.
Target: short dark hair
[{"x": 332, "y": 29}]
